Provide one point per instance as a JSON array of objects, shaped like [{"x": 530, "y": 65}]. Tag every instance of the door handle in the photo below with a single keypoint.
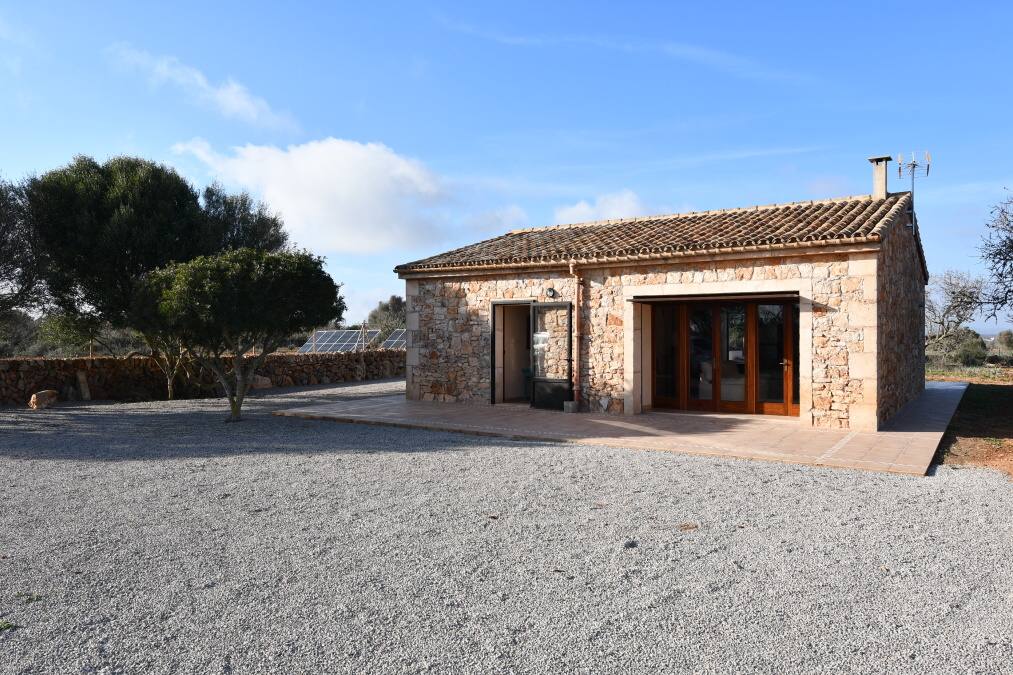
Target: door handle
[{"x": 784, "y": 362}]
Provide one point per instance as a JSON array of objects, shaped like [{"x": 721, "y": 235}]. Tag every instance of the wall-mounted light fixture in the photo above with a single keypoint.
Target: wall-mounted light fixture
[{"x": 551, "y": 292}]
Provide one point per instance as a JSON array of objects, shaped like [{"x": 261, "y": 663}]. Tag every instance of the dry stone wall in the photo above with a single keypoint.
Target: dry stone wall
[
  {"x": 449, "y": 336},
  {"x": 139, "y": 379},
  {"x": 901, "y": 311}
]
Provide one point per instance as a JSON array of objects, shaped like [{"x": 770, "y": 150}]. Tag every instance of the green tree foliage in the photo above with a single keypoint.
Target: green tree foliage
[
  {"x": 388, "y": 316},
  {"x": 971, "y": 349},
  {"x": 237, "y": 221},
  {"x": 1005, "y": 340},
  {"x": 19, "y": 260},
  {"x": 73, "y": 331},
  {"x": 18, "y": 334},
  {"x": 102, "y": 226},
  {"x": 74, "y": 334},
  {"x": 223, "y": 307}
]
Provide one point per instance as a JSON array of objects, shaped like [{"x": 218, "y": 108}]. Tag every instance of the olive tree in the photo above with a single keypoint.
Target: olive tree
[
  {"x": 225, "y": 306},
  {"x": 103, "y": 226},
  {"x": 19, "y": 259},
  {"x": 238, "y": 221},
  {"x": 388, "y": 316}
]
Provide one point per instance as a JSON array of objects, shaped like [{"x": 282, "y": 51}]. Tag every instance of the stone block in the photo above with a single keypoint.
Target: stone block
[{"x": 861, "y": 266}]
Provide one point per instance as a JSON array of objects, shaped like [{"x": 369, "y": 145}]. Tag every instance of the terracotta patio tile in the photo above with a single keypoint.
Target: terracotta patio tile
[{"x": 906, "y": 446}]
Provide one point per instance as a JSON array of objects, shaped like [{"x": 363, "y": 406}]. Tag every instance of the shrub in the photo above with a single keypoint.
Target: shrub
[{"x": 971, "y": 352}]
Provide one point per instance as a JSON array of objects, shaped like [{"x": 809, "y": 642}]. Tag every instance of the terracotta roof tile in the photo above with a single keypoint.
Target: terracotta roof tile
[{"x": 845, "y": 220}]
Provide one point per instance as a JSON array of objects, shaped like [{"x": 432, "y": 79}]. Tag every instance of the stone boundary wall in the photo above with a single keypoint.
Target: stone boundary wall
[{"x": 139, "y": 379}]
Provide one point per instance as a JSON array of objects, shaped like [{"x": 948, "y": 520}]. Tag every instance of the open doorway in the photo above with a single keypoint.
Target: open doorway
[{"x": 513, "y": 357}]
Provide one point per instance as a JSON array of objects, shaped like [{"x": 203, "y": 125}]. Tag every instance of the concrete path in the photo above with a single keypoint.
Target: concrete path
[{"x": 906, "y": 446}]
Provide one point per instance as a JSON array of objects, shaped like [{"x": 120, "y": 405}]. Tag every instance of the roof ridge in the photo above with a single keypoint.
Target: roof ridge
[{"x": 685, "y": 214}]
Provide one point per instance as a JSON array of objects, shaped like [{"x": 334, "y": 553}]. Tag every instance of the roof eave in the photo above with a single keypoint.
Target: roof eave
[{"x": 797, "y": 247}]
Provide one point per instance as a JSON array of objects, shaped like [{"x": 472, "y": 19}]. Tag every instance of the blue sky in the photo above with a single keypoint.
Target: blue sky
[{"x": 387, "y": 132}]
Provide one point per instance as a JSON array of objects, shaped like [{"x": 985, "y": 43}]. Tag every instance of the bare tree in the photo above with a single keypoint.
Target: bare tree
[
  {"x": 953, "y": 299},
  {"x": 997, "y": 252}
]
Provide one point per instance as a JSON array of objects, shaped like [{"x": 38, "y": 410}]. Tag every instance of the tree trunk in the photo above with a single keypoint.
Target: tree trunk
[
  {"x": 170, "y": 382},
  {"x": 239, "y": 393}
]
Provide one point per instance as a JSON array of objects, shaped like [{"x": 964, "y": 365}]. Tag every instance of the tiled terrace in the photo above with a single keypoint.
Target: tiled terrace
[{"x": 907, "y": 446}]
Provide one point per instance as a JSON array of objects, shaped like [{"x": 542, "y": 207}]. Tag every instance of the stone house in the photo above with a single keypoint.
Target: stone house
[{"x": 812, "y": 309}]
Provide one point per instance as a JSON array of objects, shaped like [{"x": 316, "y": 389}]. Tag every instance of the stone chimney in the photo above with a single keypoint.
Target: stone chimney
[{"x": 879, "y": 176}]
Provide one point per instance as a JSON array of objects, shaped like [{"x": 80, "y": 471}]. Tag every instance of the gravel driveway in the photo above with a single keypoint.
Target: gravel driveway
[{"x": 154, "y": 538}]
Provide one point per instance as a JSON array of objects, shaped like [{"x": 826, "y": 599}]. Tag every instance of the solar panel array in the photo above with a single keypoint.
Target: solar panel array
[
  {"x": 396, "y": 340},
  {"x": 339, "y": 341}
]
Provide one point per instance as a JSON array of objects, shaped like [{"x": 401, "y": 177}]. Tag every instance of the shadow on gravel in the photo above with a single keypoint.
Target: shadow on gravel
[
  {"x": 113, "y": 433},
  {"x": 109, "y": 431}
]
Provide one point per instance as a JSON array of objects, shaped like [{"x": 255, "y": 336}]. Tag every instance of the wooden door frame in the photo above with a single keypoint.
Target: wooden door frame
[
  {"x": 494, "y": 306},
  {"x": 751, "y": 404},
  {"x": 785, "y": 408},
  {"x": 658, "y": 401},
  {"x": 705, "y": 405},
  {"x": 729, "y": 406}
]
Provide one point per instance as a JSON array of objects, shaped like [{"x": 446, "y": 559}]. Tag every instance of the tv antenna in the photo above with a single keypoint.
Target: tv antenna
[{"x": 913, "y": 168}]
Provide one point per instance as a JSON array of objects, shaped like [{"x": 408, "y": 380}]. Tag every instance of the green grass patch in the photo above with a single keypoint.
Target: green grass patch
[
  {"x": 29, "y": 598},
  {"x": 972, "y": 373},
  {"x": 7, "y": 625}
]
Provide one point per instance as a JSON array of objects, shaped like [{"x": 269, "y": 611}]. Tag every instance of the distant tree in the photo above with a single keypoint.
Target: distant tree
[
  {"x": 997, "y": 252},
  {"x": 237, "y": 221},
  {"x": 971, "y": 349},
  {"x": 951, "y": 301},
  {"x": 18, "y": 334},
  {"x": 20, "y": 282},
  {"x": 1005, "y": 340},
  {"x": 76, "y": 332},
  {"x": 388, "y": 316},
  {"x": 222, "y": 307}
]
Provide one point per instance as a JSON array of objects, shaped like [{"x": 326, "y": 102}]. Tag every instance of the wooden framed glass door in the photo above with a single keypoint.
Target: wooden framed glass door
[
  {"x": 730, "y": 356},
  {"x": 777, "y": 358}
]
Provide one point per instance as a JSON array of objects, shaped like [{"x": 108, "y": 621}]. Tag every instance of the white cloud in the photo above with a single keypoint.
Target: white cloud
[
  {"x": 620, "y": 204},
  {"x": 230, "y": 98},
  {"x": 498, "y": 221},
  {"x": 336, "y": 195},
  {"x": 714, "y": 59}
]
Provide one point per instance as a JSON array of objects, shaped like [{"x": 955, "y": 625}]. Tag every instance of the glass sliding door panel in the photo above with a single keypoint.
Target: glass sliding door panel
[
  {"x": 732, "y": 359},
  {"x": 665, "y": 329},
  {"x": 795, "y": 355},
  {"x": 770, "y": 353},
  {"x": 701, "y": 353}
]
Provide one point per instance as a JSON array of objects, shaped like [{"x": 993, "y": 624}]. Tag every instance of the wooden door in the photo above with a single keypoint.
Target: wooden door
[
  {"x": 775, "y": 382},
  {"x": 729, "y": 356}
]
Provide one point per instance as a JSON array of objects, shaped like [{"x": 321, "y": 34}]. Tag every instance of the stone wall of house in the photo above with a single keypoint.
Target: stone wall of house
[
  {"x": 450, "y": 331},
  {"x": 139, "y": 379},
  {"x": 901, "y": 321},
  {"x": 449, "y": 336}
]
